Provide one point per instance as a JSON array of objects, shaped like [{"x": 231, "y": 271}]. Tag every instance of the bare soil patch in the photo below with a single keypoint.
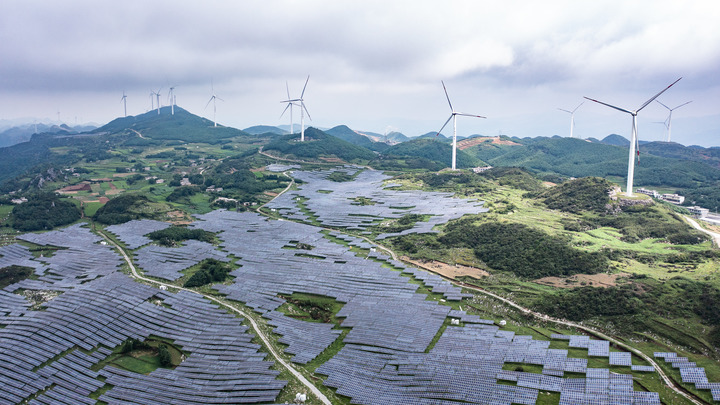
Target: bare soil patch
[
  {"x": 448, "y": 270},
  {"x": 583, "y": 280},
  {"x": 332, "y": 160},
  {"x": 495, "y": 140}
]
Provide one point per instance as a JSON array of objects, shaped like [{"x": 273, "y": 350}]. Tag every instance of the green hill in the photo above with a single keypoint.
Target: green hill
[
  {"x": 348, "y": 135},
  {"x": 182, "y": 126},
  {"x": 568, "y": 157},
  {"x": 433, "y": 150},
  {"x": 616, "y": 140},
  {"x": 318, "y": 144},
  {"x": 264, "y": 129}
]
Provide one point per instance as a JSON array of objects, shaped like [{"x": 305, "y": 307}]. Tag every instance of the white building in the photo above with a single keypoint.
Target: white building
[
  {"x": 699, "y": 212},
  {"x": 673, "y": 198},
  {"x": 651, "y": 193}
]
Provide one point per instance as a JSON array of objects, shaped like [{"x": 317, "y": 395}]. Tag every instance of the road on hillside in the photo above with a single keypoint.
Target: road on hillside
[{"x": 714, "y": 235}]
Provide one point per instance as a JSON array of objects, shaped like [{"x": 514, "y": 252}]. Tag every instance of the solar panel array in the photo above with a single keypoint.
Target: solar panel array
[
  {"x": 338, "y": 208},
  {"x": 100, "y": 307},
  {"x": 169, "y": 262},
  {"x": 83, "y": 259},
  {"x": 223, "y": 360},
  {"x": 276, "y": 167},
  {"x": 386, "y": 357},
  {"x": 690, "y": 373},
  {"x": 132, "y": 233}
]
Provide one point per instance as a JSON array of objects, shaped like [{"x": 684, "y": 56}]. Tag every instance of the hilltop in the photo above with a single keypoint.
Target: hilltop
[
  {"x": 348, "y": 135},
  {"x": 318, "y": 145},
  {"x": 182, "y": 126}
]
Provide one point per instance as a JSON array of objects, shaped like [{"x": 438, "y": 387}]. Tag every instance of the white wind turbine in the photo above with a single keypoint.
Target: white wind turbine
[
  {"x": 453, "y": 117},
  {"x": 212, "y": 99},
  {"x": 157, "y": 95},
  {"x": 634, "y": 139},
  {"x": 300, "y": 103},
  {"x": 290, "y": 105},
  {"x": 124, "y": 100},
  {"x": 152, "y": 100},
  {"x": 572, "y": 117},
  {"x": 669, "y": 118},
  {"x": 171, "y": 98}
]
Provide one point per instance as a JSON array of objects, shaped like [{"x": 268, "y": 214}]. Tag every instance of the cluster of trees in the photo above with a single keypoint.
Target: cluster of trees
[
  {"x": 170, "y": 236},
  {"x": 385, "y": 162},
  {"x": 211, "y": 271},
  {"x": 587, "y": 194},
  {"x": 514, "y": 177},
  {"x": 13, "y": 274},
  {"x": 527, "y": 252},
  {"x": 44, "y": 211},
  {"x": 584, "y": 303},
  {"x": 121, "y": 209},
  {"x": 163, "y": 353},
  {"x": 182, "y": 192}
]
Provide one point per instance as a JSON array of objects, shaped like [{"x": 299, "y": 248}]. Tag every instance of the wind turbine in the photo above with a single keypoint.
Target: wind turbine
[
  {"x": 124, "y": 100},
  {"x": 572, "y": 117},
  {"x": 669, "y": 118},
  {"x": 300, "y": 103},
  {"x": 289, "y": 105},
  {"x": 152, "y": 100},
  {"x": 453, "y": 117},
  {"x": 213, "y": 98},
  {"x": 157, "y": 94},
  {"x": 171, "y": 97},
  {"x": 634, "y": 140}
]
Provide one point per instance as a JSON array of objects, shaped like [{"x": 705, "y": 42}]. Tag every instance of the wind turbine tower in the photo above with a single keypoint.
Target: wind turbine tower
[
  {"x": 124, "y": 100},
  {"x": 634, "y": 138},
  {"x": 669, "y": 118},
  {"x": 453, "y": 117},
  {"x": 213, "y": 98},
  {"x": 300, "y": 103},
  {"x": 289, "y": 105},
  {"x": 157, "y": 95},
  {"x": 171, "y": 97},
  {"x": 572, "y": 117}
]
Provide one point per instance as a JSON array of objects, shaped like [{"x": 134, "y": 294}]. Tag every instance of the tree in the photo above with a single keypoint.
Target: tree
[{"x": 164, "y": 356}]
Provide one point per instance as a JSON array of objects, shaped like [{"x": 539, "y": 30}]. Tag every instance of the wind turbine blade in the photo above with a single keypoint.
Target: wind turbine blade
[
  {"x": 445, "y": 124},
  {"x": 305, "y": 108},
  {"x": 303, "y": 92},
  {"x": 656, "y": 96},
  {"x": 609, "y": 105},
  {"x": 469, "y": 115},
  {"x": 286, "y": 108},
  {"x": 219, "y": 99},
  {"x": 565, "y": 110},
  {"x": 208, "y": 103},
  {"x": 573, "y": 111},
  {"x": 682, "y": 105},
  {"x": 664, "y": 105},
  {"x": 288, "y": 89},
  {"x": 446, "y": 96}
]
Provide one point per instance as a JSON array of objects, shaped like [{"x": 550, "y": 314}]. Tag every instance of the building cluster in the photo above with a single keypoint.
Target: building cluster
[{"x": 698, "y": 212}]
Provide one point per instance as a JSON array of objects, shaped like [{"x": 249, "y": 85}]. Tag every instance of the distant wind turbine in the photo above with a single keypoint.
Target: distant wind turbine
[
  {"x": 669, "y": 118},
  {"x": 152, "y": 100},
  {"x": 157, "y": 95},
  {"x": 124, "y": 100},
  {"x": 213, "y": 98},
  {"x": 572, "y": 117},
  {"x": 171, "y": 98},
  {"x": 634, "y": 139},
  {"x": 300, "y": 103},
  {"x": 453, "y": 117}
]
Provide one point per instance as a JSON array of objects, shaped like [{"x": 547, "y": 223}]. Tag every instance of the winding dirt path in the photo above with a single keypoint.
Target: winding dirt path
[{"x": 714, "y": 235}]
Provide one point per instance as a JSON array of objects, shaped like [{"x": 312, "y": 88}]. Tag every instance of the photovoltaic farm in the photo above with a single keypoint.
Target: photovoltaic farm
[{"x": 398, "y": 334}]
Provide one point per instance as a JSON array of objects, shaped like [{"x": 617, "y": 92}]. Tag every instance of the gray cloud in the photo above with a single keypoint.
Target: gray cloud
[{"x": 372, "y": 63}]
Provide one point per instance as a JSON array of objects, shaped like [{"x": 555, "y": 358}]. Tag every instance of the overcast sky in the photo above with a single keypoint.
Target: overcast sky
[{"x": 373, "y": 65}]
